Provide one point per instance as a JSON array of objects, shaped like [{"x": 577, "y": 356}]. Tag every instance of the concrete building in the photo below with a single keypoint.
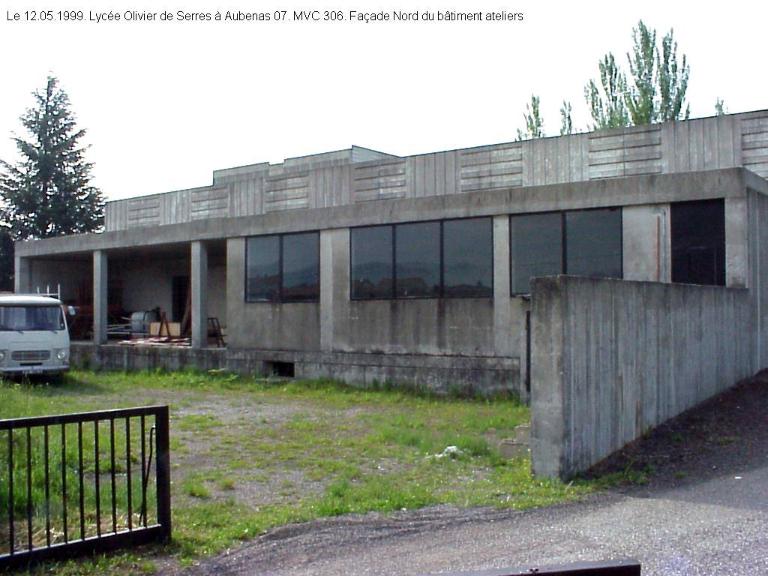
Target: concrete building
[{"x": 364, "y": 266}]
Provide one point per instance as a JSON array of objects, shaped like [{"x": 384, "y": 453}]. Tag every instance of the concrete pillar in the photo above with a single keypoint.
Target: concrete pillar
[
  {"x": 502, "y": 302},
  {"x": 99, "y": 297},
  {"x": 199, "y": 274},
  {"x": 326, "y": 290},
  {"x": 736, "y": 243},
  {"x": 22, "y": 275}
]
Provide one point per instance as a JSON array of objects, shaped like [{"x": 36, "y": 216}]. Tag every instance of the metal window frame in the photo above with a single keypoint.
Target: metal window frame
[
  {"x": 280, "y": 299},
  {"x": 564, "y": 241},
  {"x": 441, "y": 292}
]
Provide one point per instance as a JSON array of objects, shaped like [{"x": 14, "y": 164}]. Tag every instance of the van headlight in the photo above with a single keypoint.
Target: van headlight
[
  {"x": 61, "y": 355},
  {"x": 3, "y": 354}
]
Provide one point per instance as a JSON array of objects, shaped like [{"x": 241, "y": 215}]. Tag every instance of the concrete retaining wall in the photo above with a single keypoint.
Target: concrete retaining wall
[
  {"x": 440, "y": 374},
  {"x": 612, "y": 359}
]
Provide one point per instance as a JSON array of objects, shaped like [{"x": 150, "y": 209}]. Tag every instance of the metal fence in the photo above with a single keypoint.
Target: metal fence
[
  {"x": 613, "y": 568},
  {"x": 81, "y": 483}
]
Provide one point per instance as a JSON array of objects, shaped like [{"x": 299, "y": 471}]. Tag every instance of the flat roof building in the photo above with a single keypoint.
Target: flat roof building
[{"x": 369, "y": 268}]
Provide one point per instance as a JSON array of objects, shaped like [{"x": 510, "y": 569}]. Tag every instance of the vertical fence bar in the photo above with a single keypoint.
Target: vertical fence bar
[
  {"x": 44, "y": 486},
  {"x": 29, "y": 488},
  {"x": 64, "y": 481},
  {"x": 47, "y": 489},
  {"x": 96, "y": 475},
  {"x": 112, "y": 466},
  {"x": 128, "y": 470},
  {"x": 11, "y": 531},
  {"x": 163, "y": 471},
  {"x": 143, "y": 474},
  {"x": 80, "y": 474}
]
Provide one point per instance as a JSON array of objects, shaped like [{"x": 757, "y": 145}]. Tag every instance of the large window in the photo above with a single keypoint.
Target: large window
[
  {"x": 698, "y": 242},
  {"x": 536, "y": 248},
  {"x": 451, "y": 259},
  {"x": 578, "y": 242},
  {"x": 283, "y": 268}
]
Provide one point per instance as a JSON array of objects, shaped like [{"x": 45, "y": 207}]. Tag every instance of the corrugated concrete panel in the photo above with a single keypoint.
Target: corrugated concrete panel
[
  {"x": 379, "y": 180},
  {"x": 359, "y": 175},
  {"x": 613, "y": 358},
  {"x": 491, "y": 167},
  {"x": 287, "y": 190}
]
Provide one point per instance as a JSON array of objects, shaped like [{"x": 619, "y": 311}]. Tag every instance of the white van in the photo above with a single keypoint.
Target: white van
[{"x": 33, "y": 335}]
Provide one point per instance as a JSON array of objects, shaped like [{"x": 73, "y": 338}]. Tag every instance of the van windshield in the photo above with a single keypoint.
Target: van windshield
[{"x": 20, "y": 318}]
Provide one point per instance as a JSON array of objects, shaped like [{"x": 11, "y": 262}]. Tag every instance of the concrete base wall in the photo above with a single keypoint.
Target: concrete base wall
[
  {"x": 613, "y": 358},
  {"x": 440, "y": 374}
]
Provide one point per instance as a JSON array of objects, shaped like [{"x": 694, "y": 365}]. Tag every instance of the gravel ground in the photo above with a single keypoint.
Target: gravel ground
[{"x": 704, "y": 511}]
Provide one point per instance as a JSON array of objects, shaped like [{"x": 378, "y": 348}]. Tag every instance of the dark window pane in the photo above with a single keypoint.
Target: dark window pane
[
  {"x": 698, "y": 242},
  {"x": 468, "y": 258},
  {"x": 593, "y": 243},
  {"x": 301, "y": 267},
  {"x": 536, "y": 248},
  {"x": 417, "y": 260},
  {"x": 372, "y": 274},
  {"x": 262, "y": 268}
]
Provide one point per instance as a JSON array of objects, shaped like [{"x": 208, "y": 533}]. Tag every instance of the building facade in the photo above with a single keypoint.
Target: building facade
[{"x": 368, "y": 267}]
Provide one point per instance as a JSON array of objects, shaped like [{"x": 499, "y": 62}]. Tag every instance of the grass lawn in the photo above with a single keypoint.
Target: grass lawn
[{"x": 248, "y": 455}]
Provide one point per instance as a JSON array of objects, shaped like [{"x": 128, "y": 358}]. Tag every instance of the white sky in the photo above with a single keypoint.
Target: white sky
[{"x": 167, "y": 103}]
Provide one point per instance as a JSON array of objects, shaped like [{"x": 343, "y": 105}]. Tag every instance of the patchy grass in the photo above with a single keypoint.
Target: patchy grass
[{"x": 249, "y": 455}]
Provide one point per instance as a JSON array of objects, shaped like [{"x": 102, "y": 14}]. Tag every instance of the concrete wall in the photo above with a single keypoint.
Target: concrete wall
[
  {"x": 266, "y": 325},
  {"x": 612, "y": 359},
  {"x": 358, "y": 176},
  {"x": 75, "y": 278}
]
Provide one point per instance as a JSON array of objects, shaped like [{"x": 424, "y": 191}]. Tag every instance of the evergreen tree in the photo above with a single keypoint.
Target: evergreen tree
[
  {"x": 566, "y": 123},
  {"x": 534, "y": 125},
  {"x": 48, "y": 191},
  {"x": 606, "y": 102}
]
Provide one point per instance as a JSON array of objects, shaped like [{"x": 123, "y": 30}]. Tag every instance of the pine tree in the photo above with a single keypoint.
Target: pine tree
[{"x": 48, "y": 191}]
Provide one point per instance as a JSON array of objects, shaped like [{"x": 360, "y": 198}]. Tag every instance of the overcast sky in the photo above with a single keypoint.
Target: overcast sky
[{"x": 166, "y": 103}]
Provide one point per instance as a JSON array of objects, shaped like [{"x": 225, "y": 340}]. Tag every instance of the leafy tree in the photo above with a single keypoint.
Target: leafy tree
[
  {"x": 566, "y": 123},
  {"x": 48, "y": 191},
  {"x": 606, "y": 102},
  {"x": 720, "y": 108},
  {"x": 534, "y": 125},
  {"x": 641, "y": 96},
  {"x": 673, "y": 82},
  {"x": 656, "y": 90}
]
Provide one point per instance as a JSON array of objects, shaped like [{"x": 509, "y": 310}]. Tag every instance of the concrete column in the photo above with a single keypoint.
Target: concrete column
[
  {"x": 199, "y": 274},
  {"x": 22, "y": 275},
  {"x": 736, "y": 243},
  {"x": 326, "y": 290},
  {"x": 99, "y": 297},
  {"x": 502, "y": 302}
]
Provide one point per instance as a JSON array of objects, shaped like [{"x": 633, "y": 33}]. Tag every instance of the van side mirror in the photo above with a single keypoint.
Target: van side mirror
[{"x": 71, "y": 311}]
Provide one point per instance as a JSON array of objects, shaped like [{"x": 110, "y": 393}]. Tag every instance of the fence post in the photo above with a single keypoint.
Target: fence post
[{"x": 163, "y": 472}]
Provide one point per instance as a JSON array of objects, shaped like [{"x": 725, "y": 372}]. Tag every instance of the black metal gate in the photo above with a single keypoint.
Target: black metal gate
[{"x": 80, "y": 483}]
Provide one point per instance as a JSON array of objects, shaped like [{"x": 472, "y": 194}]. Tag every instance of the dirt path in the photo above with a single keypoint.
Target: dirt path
[{"x": 704, "y": 511}]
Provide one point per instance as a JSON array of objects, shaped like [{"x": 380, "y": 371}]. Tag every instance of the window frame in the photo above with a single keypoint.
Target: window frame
[
  {"x": 280, "y": 298},
  {"x": 564, "y": 242},
  {"x": 441, "y": 296}
]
